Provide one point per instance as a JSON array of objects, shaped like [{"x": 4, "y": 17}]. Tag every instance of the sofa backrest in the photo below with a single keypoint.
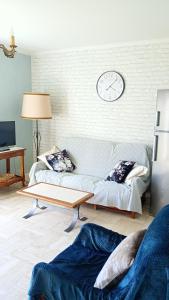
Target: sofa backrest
[
  {"x": 91, "y": 157},
  {"x": 98, "y": 157},
  {"x": 140, "y": 153}
]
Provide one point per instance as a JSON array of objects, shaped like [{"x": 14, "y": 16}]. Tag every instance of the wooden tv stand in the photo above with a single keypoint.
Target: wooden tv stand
[{"x": 7, "y": 179}]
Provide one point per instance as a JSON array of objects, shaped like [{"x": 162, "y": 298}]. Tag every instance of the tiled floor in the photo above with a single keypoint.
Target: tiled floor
[{"x": 23, "y": 243}]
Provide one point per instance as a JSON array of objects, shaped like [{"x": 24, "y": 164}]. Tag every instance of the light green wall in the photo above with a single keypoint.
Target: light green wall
[{"x": 15, "y": 79}]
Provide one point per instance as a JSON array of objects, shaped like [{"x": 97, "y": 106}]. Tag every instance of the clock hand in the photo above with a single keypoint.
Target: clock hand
[{"x": 110, "y": 86}]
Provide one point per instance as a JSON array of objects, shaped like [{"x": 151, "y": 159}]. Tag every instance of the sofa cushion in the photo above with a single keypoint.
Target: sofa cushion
[
  {"x": 42, "y": 157},
  {"x": 137, "y": 171},
  {"x": 80, "y": 182},
  {"x": 60, "y": 161},
  {"x": 75, "y": 181},
  {"x": 49, "y": 176},
  {"x": 120, "y": 260},
  {"x": 120, "y": 171}
]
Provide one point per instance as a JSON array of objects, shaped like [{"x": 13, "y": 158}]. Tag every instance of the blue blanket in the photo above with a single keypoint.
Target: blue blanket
[{"x": 71, "y": 275}]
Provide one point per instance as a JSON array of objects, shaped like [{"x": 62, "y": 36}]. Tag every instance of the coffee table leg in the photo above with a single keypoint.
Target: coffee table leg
[
  {"x": 35, "y": 206},
  {"x": 74, "y": 219}
]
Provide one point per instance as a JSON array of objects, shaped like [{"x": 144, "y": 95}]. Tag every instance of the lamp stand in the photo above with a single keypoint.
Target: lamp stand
[{"x": 37, "y": 140}]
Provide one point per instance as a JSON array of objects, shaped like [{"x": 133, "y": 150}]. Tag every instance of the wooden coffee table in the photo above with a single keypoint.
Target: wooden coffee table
[{"x": 59, "y": 195}]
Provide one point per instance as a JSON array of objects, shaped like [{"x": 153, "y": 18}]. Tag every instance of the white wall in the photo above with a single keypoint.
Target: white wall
[{"x": 70, "y": 77}]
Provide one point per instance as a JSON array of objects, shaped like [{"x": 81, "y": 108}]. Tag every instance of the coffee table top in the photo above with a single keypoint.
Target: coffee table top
[{"x": 56, "y": 194}]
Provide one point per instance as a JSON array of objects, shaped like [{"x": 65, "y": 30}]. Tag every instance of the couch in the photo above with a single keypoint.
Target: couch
[
  {"x": 71, "y": 275},
  {"x": 94, "y": 159}
]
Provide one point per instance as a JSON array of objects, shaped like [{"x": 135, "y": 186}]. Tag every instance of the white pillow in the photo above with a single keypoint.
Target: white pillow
[
  {"x": 137, "y": 171},
  {"x": 42, "y": 157},
  {"x": 120, "y": 260}
]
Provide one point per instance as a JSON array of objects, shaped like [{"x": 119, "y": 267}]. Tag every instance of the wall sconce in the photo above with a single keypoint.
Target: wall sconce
[{"x": 9, "y": 52}]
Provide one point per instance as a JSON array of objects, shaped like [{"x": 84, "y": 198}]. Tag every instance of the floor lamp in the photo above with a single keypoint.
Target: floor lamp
[{"x": 36, "y": 106}]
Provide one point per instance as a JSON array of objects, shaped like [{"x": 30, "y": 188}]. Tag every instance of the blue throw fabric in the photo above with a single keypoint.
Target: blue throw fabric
[{"x": 71, "y": 275}]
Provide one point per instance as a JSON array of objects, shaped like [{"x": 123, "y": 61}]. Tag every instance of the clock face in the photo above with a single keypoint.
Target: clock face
[{"x": 110, "y": 86}]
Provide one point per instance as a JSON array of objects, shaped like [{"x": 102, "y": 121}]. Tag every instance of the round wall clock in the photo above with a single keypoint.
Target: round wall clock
[{"x": 110, "y": 86}]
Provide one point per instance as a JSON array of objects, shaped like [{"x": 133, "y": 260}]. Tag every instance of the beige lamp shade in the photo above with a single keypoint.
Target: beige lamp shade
[{"x": 36, "y": 106}]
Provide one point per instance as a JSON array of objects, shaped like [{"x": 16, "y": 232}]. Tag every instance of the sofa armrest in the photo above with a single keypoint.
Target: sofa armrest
[
  {"x": 98, "y": 238},
  {"x": 139, "y": 184},
  {"x": 51, "y": 282},
  {"x": 37, "y": 166}
]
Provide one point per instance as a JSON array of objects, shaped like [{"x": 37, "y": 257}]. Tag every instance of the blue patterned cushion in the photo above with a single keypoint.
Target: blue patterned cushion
[
  {"x": 60, "y": 162},
  {"x": 120, "y": 171}
]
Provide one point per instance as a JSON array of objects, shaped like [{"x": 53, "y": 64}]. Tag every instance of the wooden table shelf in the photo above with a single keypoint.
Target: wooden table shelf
[{"x": 7, "y": 155}]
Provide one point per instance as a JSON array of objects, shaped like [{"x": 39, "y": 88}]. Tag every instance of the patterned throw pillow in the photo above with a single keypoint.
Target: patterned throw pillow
[
  {"x": 42, "y": 157},
  {"x": 120, "y": 171},
  {"x": 60, "y": 162}
]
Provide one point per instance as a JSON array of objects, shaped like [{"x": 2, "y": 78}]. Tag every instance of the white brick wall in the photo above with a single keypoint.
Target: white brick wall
[{"x": 70, "y": 77}]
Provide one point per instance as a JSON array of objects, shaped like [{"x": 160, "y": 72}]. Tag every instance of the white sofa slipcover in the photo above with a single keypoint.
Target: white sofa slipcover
[{"x": 94, "y": 159}]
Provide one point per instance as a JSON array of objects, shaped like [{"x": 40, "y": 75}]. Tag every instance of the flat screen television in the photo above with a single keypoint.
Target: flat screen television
[{"x": 7, "y": 135}]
